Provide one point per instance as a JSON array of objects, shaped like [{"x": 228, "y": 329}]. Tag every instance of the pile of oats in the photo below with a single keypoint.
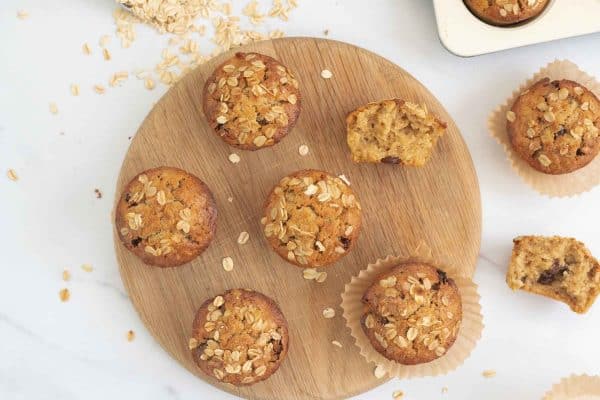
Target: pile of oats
[{"x": 186, "y": 19}]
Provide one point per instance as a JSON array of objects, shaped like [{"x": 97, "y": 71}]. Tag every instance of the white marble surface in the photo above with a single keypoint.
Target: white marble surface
[{"x": 50, "y": 219}]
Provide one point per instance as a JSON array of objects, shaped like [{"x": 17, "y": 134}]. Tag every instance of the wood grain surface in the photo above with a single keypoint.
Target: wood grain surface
[{"x": 438, "y": 204}]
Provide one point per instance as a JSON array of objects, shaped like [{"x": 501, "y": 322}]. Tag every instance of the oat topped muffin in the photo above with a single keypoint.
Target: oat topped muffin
[
  {"x": 412, "y": 313},
  {"x": 556, "y": 267},
  {"x": 312, "y": 219},
  {"x": 393, "y": 132},
  {"x": 251, "y": 101},
  {"x": 554, "y": 126},
  {"x": 240, "y": 337},
  {"x": 506, "y": 12},
  {"x": 166, "y": 216}
]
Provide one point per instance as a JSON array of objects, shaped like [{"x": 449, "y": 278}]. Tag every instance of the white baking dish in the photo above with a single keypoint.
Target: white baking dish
[{"x": 465, "y": 35}]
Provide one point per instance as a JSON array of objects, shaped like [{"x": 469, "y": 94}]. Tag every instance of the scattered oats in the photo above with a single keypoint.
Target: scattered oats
[
  {"x": 345, "y": 179},
  {"x": 104, "y": 40},
  {"x": 379, "y": 372},
  {"x": 321, "y": 277},
  {"x": 12, "y": 175},
  {"x": 66, "y": 275},
  {"x": 75, "y": 89},
  {"x": 106, "y": 54},
  {"x": 22, "y": 14},
  {"x": 578, "y": 90},
  {"x": 230, "y": 199},
  {"x": 511, "y": 116},
  {"x": 227, "y": 264},
  {"x": 398, "y": 394},
  {"x": 221, "y": 119},
  {"x": 234, "y": 158},
  {"x": 130, "y": 336},
  {"x": 489, "y": 373},
  {"x": 303, "y": 150},
  {"x": 444, "y": 390},
  {"x": 99, "y": 89},
  {"x": 64, "y": 295},
  {"x": 149, "y": 83},
  {"x": 243, "y": 238},
  {"x": 279, "y": 10},
  {"x": 251, "y": 11},
  {"x": 87, "y": 50},
  {"x": 336, "y": 343},
  {"x": 326, "y": 74},
  {"x": 328, "y": 312},
  {"x": 87, "y": 267},
  {"x": 53, "y": 108},
  {"x": 118, "y": 78},
  {"x": 310, "y": 273}
]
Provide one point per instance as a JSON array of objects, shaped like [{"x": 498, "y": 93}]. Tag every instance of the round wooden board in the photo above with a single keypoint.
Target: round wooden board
[{"x": 438, "y": 204}]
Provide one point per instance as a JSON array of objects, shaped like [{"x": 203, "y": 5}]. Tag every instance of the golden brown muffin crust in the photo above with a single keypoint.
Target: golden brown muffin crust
[
  {"x": 312, "y": 219},
  {"x": 240, "y": 337},
  {"x": 251, "y": 101},
  {"x": 166, "y": 216},
  {"x": 554, "y": 126},
  {"x": 412, "y": 313},
  {"x": 556, "y": 267},
  {"x": 393, "y": 132},
  {"x": 506, "y": 12}
]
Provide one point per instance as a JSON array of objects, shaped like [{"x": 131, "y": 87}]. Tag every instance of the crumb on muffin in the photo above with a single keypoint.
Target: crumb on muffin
[
  {"x": 394, "y": 132},
  {"x": 556, "y": 267}
]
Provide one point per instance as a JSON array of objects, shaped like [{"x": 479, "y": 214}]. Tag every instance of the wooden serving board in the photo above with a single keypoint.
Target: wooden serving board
[{"x": 438, "y": 204}]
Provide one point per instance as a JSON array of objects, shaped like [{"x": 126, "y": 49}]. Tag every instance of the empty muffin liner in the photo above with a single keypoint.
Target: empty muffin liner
[
  {"x": 575, "y": 387},
  {"x": 571, "y": 184},
  {"x": 468, "y": 335}
]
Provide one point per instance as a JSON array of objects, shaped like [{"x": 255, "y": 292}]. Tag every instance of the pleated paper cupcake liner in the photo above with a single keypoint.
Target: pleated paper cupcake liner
[
  {"x": 565, "y": 185},
  {"x": 470, "y": 329},
  {"x": 575, "y": 387}
]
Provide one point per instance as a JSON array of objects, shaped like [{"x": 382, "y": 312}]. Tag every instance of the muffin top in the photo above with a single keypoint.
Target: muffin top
[
  {"x": 312, "y": 218},
  {"x": 251, "y": 101},
  {"x": 412, "y": 313},
  {"x": 506, "y": 12},
  {"x": 554, "y": 126},
  {"x": 393, "y": 132},
  {"x": 166, "y": 216},
  {"x": 239, "y": 337}
]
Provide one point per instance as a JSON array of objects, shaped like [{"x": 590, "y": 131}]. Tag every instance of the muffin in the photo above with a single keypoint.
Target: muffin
[
  {"x": 412, "y": 313},
  {"x": 506, "y": 12},
  {"x": 240, "y": 337},
  {"x": 166, "y": 216},
  {"x": 554, "y": 126},
  {"x": 393, "y": 132},
  {"x": 556, "y": 267},
  {"x": 251, "y": 101},
  {"x": 312, "y": 219}
]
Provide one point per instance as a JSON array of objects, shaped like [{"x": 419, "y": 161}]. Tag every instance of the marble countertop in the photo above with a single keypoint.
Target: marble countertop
[{"x": 51, "y": 219}]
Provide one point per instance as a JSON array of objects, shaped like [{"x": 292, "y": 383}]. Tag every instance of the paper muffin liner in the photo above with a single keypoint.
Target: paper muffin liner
[
  {"x": 575, "y": 387},
  {"x": 571, "y": 184},
  {"x": 468, "y": 335}
]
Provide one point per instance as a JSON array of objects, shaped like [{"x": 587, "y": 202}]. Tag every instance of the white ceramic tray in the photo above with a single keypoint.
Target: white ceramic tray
[{"x": 465, "y": 35}]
